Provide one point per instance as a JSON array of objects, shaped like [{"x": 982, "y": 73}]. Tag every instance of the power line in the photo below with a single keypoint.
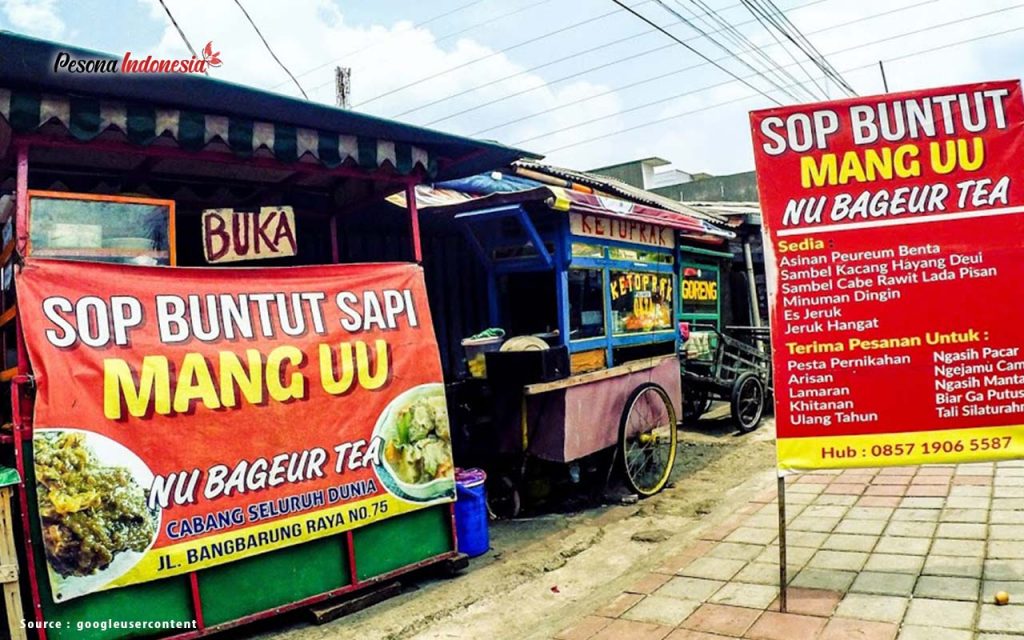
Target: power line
[
  {"x": 820, "y": 63},
  {"x": 720, "y": 84},
  {"x": 799, "y": 33},
  {"x": 485, "y": 57},
  {"x": 792, "y": 57},
  {"x": 726, "y": 49},
  {"x": 752, "y": 95},
  {"x": 541, "y": 66},
  {"x": 762, "y": 68},
  {"x": 447, "y": 36},
  {"x": 761, "y": 12},
  {"x": 489, "y": 21},
  {"x": 579, "y": 74},
  {"x": 745, "y": 43},
  {"x": 694, "y": 51},
  {"x": 662, "y": 76},
  {"x": 519, "y": 73},
  {"x": 272, "y": 54},
  {"x": 374, "y": 44},
  {"x": 180, "y": 32}
]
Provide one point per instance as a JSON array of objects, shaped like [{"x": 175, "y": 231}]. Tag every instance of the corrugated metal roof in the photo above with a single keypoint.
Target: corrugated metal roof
[
  {"x": 28, "y": 66},
  {"x": 620, "y": 189},
  {"x": 735, "y": 213},
  {"x": 451, "y": 201}
]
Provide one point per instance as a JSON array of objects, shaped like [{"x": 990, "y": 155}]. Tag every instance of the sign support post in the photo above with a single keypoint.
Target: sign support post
[{"x": 782, "y": 544}]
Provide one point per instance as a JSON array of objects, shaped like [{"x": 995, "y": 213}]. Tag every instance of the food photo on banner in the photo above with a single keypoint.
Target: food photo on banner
[
  {"x": 892, "y": 231},
  {"x": 232, "y": 413}
]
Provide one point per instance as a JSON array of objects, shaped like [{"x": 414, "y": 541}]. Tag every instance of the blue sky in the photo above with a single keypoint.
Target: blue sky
[{"x": 575, "y": 110}]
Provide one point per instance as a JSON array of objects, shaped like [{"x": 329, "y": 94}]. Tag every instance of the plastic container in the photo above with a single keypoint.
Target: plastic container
[
  {"x": 475, "y": 349},
  {"x": 471, "y": 525}
]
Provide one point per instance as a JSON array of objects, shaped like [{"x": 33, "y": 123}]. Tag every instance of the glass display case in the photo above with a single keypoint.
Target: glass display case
[
  {"x": 699, "y": 294},
  {"x": 120, "y": 229},
  {"x": 621, "y": 301}
]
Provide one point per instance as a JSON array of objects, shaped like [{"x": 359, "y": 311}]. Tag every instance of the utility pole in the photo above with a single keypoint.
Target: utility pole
[{"x": 343, "y": 86}]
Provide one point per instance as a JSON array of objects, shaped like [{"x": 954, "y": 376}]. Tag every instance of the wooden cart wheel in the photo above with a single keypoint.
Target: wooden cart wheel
[
  {"x": 747, "y": 401},
  {"x": 647, "y": 437}
]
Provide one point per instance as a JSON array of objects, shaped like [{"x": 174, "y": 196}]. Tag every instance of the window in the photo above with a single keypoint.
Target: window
[
  {"x": 106, "y": 229},
  {"x": 622, "y": 297},
  {"x": 641, "y": 301},
  {"x": 586, "y": 303},
  {"x": 583, "y": 250},
  {"x": 700, "y": 294},
  {"x": 639, "y": 255}
]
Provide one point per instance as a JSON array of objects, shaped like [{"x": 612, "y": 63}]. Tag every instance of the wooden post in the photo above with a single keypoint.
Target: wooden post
[
  {"x": 21, "y": 200},
  {"x": 9, "y": 568},
  {"x": 335, "y": 252},
  {"x": 414, "y": 221},
  {"x": 782, "y": 544}
]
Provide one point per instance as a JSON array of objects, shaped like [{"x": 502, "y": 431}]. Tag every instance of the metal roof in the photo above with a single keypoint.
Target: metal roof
[
  {"x": 451, "y": 201},
  {"x": 619, "y": 189},
  {"x": 733, "y": 212},
  {"x": 28, "y": 65}
]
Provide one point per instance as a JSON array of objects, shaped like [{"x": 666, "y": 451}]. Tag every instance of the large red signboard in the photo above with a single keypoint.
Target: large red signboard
[
  {"x": 895, "y": 247},
  {"x": 191, "y": 417}
]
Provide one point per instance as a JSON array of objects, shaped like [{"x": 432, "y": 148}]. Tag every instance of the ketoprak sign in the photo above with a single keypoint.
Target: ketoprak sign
[{"x": 893, "y": 232}]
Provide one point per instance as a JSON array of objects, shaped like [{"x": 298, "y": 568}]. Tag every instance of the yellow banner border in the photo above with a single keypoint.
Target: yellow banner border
[
  {"x": 172, "y": 560},
  {"x": 797, "y": 455}
]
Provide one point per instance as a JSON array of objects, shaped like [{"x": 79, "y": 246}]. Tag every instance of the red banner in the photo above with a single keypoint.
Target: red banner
[
  {"x": 190, "y": 417},
  {"x": 893, "y": 234}
]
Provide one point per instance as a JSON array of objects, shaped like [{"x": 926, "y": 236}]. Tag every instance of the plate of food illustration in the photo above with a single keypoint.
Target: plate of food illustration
[
  {"x": 416, "y": 456},
  {"x": 92, "y": 493}
]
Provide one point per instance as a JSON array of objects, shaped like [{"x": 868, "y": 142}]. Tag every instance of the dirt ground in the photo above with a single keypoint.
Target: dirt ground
[{"x": 546, "y": 571}]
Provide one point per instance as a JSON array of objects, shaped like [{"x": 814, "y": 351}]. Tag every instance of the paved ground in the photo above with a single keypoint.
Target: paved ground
[
  {"x": 550, "y": 569},
  {"x": 909, "y": 553}
]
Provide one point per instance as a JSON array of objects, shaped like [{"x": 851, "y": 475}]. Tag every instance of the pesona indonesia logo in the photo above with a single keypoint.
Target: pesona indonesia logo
[{"x": 64, "y": 62}]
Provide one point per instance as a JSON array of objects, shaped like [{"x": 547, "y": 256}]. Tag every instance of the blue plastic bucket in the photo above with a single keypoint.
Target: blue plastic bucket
[{"x": 471, "y": 513}]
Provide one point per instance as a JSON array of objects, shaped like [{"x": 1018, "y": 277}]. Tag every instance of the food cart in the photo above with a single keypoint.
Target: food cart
[
  {"x": 162, "y": 234},
  {"x": 737, "y": 369},
  {"x": 586, "y": 286}
]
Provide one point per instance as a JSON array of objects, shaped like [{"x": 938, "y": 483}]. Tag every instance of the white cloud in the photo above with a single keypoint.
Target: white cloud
[
  {"x": 311, "y": 36},
  {"x": 34, "y": 16},
  {"x": 718, "y": 140}
]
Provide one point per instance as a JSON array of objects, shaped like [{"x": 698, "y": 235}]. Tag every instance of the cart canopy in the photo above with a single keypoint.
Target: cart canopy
[{"x": 486, "y": 191}]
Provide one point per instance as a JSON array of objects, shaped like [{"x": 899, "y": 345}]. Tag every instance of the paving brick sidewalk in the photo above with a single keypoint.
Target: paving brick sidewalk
[{"x": 874, "y": 554}]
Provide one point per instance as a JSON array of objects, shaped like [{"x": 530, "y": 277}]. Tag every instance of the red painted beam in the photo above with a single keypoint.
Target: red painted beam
[
  {"x": 38, "y": 140},
  {"x": 414, "y": 221}
]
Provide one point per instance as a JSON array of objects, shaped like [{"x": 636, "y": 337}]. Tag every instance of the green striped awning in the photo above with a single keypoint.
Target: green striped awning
[{"x": 86, "y": 118}]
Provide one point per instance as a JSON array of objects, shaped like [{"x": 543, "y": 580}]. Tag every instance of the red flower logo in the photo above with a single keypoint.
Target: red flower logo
[{"x": 211, "y": 57}]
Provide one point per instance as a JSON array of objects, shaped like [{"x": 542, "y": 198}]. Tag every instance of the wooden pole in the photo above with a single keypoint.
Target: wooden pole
[
  {"x": 335, "y": 250},
  {"x": 21, "y": 200},
  {"x": 782, "y": 544},
  {"x": 414, "y": 221},
  {"x": 343, "y": 86}
]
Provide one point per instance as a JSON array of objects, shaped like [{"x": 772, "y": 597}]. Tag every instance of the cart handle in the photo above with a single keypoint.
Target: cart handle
[{"x": 704, "y": 327}]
